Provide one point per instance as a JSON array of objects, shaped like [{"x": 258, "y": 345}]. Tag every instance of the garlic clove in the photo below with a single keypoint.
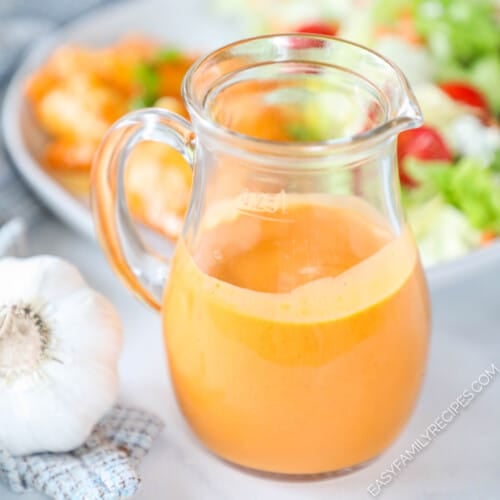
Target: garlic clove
[
  {"x": 18, "y": 282},
  {"x": 60, "y": 279},
  {"x": 26, "y": 278},
  {"x": 80, "y": 318}
]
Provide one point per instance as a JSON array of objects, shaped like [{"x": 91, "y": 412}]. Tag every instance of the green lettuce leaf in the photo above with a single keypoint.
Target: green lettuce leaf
[
  {"x": 441, "y": 230},
  {"x": 458, "y": 30},
  {"x": 485, "y": 74},
  {"x": 467, "y": 185}
]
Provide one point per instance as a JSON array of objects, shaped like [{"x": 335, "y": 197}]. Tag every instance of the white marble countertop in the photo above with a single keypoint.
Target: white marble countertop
[{"x": 461, "y": 463}]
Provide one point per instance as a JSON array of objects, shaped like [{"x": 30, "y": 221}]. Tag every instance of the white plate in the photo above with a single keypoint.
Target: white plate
[{"x": 187, "y": 24}]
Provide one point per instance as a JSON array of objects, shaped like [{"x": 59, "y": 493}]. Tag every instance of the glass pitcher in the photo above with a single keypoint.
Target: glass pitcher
[{"x": 295, "y": 310}]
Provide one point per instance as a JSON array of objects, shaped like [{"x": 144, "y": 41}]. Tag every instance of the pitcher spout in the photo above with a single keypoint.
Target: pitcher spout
[{"x": 408, "y": 115}]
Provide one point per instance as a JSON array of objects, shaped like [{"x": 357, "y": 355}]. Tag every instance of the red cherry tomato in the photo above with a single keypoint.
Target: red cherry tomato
[
  {"x": 466, "y": 94},
  {"x": 318, "y": 28},
  {"x": 314, "y": 28},
  {"x": 423, "y": 143}
]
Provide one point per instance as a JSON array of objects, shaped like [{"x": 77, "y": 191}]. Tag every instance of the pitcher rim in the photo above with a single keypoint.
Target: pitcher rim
[{"x": 391, "y": 127}]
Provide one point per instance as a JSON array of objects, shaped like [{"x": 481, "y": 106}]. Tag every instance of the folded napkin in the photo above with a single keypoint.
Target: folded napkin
[{"x": 104, "y": 468}]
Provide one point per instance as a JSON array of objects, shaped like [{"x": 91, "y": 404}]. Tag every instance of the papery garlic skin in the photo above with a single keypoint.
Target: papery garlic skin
[{"x": 52, "y": 403}]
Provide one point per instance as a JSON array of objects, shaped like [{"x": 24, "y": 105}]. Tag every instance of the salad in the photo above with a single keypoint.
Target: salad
[{"x": 450, "y": 52}]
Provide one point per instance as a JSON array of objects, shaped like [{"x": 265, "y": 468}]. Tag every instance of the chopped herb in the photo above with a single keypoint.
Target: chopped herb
[
  {"x": 170, "y": 55},
  {"x": 142, "y": 101},
  {"x": 148, "y": 82},
  {"x": 148, "y": 79},
  {"x": 302, "y": 132}
]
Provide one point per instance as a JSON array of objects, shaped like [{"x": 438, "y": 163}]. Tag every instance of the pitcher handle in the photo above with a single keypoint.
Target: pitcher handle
[{"x": 142, "y": 269}]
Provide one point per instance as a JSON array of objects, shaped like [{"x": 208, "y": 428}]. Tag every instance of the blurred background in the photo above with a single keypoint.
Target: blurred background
[
  {"x": 68, "y": 92},
  {"x": 21, "y": 24}
]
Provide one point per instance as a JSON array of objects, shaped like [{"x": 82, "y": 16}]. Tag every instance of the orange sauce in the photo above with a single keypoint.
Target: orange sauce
[{"x": 297, "y": 340}]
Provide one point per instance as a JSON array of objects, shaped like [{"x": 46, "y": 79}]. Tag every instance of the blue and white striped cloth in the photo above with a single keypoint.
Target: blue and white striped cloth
[{"x": 104, "y": 468}]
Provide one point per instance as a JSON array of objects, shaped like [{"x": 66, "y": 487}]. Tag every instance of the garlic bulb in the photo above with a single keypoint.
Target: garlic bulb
[{"x": 59, "y": 347}]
